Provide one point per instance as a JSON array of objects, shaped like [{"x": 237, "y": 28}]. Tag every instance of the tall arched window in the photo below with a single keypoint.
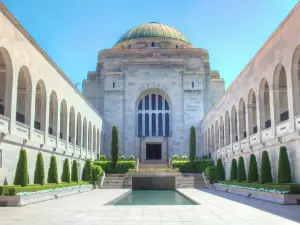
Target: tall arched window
[{"x": 151, "y": 116}]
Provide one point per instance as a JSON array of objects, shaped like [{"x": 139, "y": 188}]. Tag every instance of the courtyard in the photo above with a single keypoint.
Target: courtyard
[{"x": 215, "y": 208}]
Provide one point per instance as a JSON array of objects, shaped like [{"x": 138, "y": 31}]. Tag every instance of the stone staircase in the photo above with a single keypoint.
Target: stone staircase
[
  {"x": 113, "y": 181},
  {"x": 192, "y": 181},
  {"x": 153, "y": 164}
]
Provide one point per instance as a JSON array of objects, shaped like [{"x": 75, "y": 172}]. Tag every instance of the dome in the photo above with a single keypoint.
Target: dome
[{"x": 153, "y": 29}]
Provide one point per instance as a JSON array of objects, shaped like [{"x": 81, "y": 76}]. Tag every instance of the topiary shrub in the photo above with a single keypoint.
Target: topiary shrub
[
  {"x": 39, "y": 173},
  {"x": 21, "y": 176},
  {"x": 74, "y": 173},
  {"x": 65, "y": 177},
  {"x": 184, "y": 157},
  {"x": 96, "y": 172},
  {"x": 211, "y": 173},
  {"x": 253, "y": 170},
  {"x": 52, "y": 172},
  {"x": 284, "y": 169},
  {"x": 220, "y": 170},
  {"x": 102, "y": 157},
  {"x": 265, "y": 169},
  {"x": 87, "y": 171},
  {"x": 175, "y": 157},
  {"x": 131, "y": 157},
  {"x": 241, "y": 174},
  {"x": 233, "y": 170},
  {"x": 114, "y": 146},
  {"x": 192, "y": 154},
  {"x": 122, "y": 157}
]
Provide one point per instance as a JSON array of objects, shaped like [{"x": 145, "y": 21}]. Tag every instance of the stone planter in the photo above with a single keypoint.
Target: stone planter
[
  {"x": 40, "y": 197},
  {"x": 284, "y": 199}
]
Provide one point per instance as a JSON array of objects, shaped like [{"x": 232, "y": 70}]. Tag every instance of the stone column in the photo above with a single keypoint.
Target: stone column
[
  {"x": 272, "y": 110},
  {"x": 32, "y": 115},
  {"x": 291, "y": 107},
  {"x": 10, "y": 98},
  {"x": 47, "y": 118}
]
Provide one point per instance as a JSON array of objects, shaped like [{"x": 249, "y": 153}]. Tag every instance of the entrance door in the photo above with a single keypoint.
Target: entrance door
[{"x": 153, "y": 151}]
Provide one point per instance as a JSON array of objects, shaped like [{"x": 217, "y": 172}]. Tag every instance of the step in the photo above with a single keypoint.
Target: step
[
  {"x": 145, "y": 166},
  {"x": 114, "y": 175}
]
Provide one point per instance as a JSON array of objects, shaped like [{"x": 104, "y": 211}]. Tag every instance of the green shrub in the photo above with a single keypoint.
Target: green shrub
[
  {"x": 233, "y": 170},
  {"x": 175, "y": 157},
  {"x": 74, "y": 173},
  {"x": 114, "y": 146},
  {"x": 102, "y": 157},
  {"x": 292, "y": 188},
  {"x": 265, "y": 169},
  {"x": 253, "y": 170},
  {"x": 122, "y": 157},
  {"x": 65, "y": 177},
  {"x": 284, "y": 169},
  {"x": 205, "y": 157},
  {"x": 52, "y": 172},
  {"x": 121, "y": 167},
  {"x": 220, "y": 173},
  {"x": 96, "y": 172},
  {"x": 241, "y": 174},
  {"x": 184, "y": 157},
  {"x": 131, "y": 157},
  {"x": 192, "y": 143},
  {"x": 197, "y": 166},
  {"x": 39, "y": 173},
  {"x": 87, "y": 171},
  {"x": 211, "y": 173},
  {"x": 21, "y": 176}
]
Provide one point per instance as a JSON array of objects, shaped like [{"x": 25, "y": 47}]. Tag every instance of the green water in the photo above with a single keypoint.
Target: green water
[{"x": 149, "y": 197}]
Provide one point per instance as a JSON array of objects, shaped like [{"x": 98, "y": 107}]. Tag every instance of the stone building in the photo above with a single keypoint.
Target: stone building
[
  {"x": 40, "y": 109},
  {"x": 260, "y": 111},
  {"x": 153, "y": 85}
]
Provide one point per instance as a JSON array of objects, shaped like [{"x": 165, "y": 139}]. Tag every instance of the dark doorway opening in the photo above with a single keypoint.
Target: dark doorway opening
[{"x": 153, "y": 151}]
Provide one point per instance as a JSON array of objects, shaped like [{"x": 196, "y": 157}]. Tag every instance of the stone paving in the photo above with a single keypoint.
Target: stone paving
[{"x": 216, "y": 208}]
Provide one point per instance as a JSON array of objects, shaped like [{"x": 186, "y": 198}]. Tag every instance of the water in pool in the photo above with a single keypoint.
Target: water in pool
[{"x": 149, "y": 197}]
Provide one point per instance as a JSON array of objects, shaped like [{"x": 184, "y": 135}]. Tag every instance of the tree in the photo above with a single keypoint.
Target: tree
[
  {"x": 284, "y": 169},
  {"x": 253, "y": 170},
  {"x": 241, "y": 174},
  {"x": 21, "y": 176},
  {"x": 52, "y": 172},
  {"x": 265, "y": 169},
  {"x": 87, "y": 171},
  {"x": 192, "y": 143},
  {"x": 65, "y": 177},
  {"x": 114, "y": 146},
  {"x": 74, "y": 173},
  {"x": 39, "y": 173},
  {"x": 233, "y": 171},
  {"x": 220, "y": 170}
]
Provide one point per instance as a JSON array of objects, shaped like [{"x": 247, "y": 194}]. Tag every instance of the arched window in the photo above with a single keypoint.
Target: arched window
[
  {"x": 150, "y": 117},
  {"x": 193, "y": 84},
  {"x": 53, "y": 114},
  {"x": 40, "y": 106},
  {"x": 242, "y": 119},
  {"x": 264, "y": 104},
  {"x": 114, "y": 85},
  {"x": 153, "y": 44}
]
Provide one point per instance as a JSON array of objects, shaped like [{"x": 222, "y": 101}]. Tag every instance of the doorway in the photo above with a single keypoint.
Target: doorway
[{"x": 153, "y": 151}]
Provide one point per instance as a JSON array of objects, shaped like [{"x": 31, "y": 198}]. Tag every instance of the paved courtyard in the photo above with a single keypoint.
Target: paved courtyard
[{"x": 216, "y": 208}]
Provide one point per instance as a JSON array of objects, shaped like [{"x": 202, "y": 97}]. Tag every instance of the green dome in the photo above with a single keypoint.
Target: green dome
[{"x": 153, "y": 29}]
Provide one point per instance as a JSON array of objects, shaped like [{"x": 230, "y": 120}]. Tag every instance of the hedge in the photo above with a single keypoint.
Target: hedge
[
  {"x": 265, "y": 169},
  {"x": 114, "y": 146},
  {"x": 74, "y": 173},
  {"x": 292, "y": 188},
  {"x": 284, "y": 169},
  {"x": 21, "y": 176},
  {"x": 220, "y": 170},
  {"x": 66, "y": 177},
  {"x": 241, "y": 174},
  {"x": 39, "y": 173},
  {"x": 52, "y": 172},
  {"x": 192, "y": 154},
  {"x": 233, "y": 170},
  {"x": 5, "y": 190},
  {"x": 253, "y": 170},
  {"x": 197, "y": 166},
  {"x": 87, "y": 171},
  {"x": 96, "y": 172},
  {"x": 211, "y": 173},
  {"x": 121, "y": 166}
]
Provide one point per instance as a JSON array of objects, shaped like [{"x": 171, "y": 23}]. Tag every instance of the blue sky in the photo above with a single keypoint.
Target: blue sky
[{"x": 72, "y": 32}]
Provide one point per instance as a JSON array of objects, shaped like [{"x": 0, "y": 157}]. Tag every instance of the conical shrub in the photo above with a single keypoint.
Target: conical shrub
[
  {"x": 253, "y": 170},
  {"x": 65, "y": 177},
  {"x": 21, "y": 175},
  {"x": 87, "y": 171},
  {"x": 265, "y": 169},
  {"x": 192, "y": 143},
  {"x": 39, "y": 173},
  {"x": 220, "y": 170},
  {"x": 233, "y": 170},
  {"x": 114, "y": 146},
  {"x": 241, "y": 174},
  {"x": 74, "y": 173},
  {"x": 284, "y": 169},
  {"x": 52, "y": 172}
]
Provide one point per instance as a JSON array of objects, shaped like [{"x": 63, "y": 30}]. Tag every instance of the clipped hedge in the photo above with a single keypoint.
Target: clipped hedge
[
  {"x": 121, "y": 166},
  {"x": 211, "y": 173},
  {"x": 291, "y": 188},
  {"x": 74, "y": 173},
  {"x": 52, "y": 172},
  {"x": 241, "y": 174},
  {"x": 253, "y": 170},
  {"x": 96, "y": 172},
  {"x": 265, "y": 169},
  {"x": 115, "y": 148},
  {"x": 39, "y": 173},
  {"x": 220, "y": 170},
  {"x": 14, "y": 189},
  {"x": 87, "y": 171},
  {"x": 21, "y": 176},
  {"x": 233, "y": 170},
  {"x": 192, "y": 155},
  {"x": 65, "y": 177},
  {"x": 197, "y": 166},
  {"x": 284, "y": 168}
]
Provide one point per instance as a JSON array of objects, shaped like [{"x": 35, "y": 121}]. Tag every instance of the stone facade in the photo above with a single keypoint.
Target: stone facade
[{"x": 181, "y": 75}]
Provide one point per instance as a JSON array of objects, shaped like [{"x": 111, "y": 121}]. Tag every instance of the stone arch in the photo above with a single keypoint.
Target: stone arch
[
  {"x": 280, "y": 94},
  {"x": 242, "y": 119},
  {"x": 24, "y": 89},
  {"x": 227, "y": 128},
  {"x": 72, "y": 125},
  {"x": 221, "y": 132},
  {"x": 53, "y": 113},
  {"x": 40, "y": 106},
  {"x": 63, "y": 120},
  {"x": 264, "y": 104},
  {"x": 296, "y": 79},
  {"x": 252, "y": 117},
  {"x": 234, "y": 128}
]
